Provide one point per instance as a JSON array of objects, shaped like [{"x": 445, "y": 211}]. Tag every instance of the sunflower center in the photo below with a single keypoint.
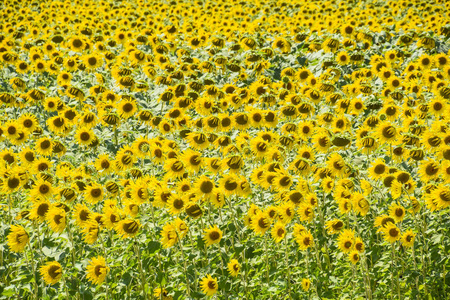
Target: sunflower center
[
  {"x": 29, "y": 156},
  {"x": 54, "y": 271},
  {"x": 57, "y": 219},
  {"x": 92, "y": 61},
  {"x": 280, "y": 232},
  {"x": 105, "y": 164},
  {"x": 230, "y": 185},
  {"x": 85, "y": 136},
  {"x": 338, "y": 165},
  {"x": 98, "y": 270},
  {"x": 194, "y": 160},
  {"x": 58, "y": 122},
  {"x": 77, "y": 43},
  {"x": 242, "y": 119},
  {"x": 130, "y": 227},
  {"x": 96, "y": 192},
  {"x": 285, "y": 181},
  {"x": 178, "y": 203},
  {"x": 126, "y": 159},
  {"x": 434, "y": 141},
  {"x": 338, "y": 225},
  {"x": 13, "y": 182},
  {"x": 206, "y": 187},
  {"x": 393, "y": 232},
  {"x": 211, "y": 285},
  {"x": 431, "y": 169},
  {"x": 390, "y": 111},
  {"x": 262, "y": 223},
  {"x": 306, "y": 241},
  {"x": 348, "y": 244},
  {"x": 127, "y": 107},
  {"x": 379, "y": 169},
  {"x": 303, "y": 75},
  {"x": 42, "y": 209},
  {"x": 214, "y": 235},
  {"x": 44, "y": 189},
  {"x": 399, "y": 212},
  {"x": 445, "y": 196},
  {"x": 84, "y": 215},
  {"x": 389, "y": 132}
]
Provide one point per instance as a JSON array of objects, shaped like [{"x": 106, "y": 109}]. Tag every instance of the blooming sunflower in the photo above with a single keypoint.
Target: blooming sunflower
[
  {"x": 234, "y": 267},
  {"x": 128, "y": 228},
  {"x": 209, "y": 285},
  {"x": 260, "y": 223},
  {"x": 408, "y": 238},
  {"x": 51, "y": 272},
  {"x": 56, "y": 219},
  {"x": 97, "y": 270},
  {"x": 391, "y": 233},
  {"x": 278, "y": 232},
  {"x": 17, "y": 238},
  {"x": 212, "y": 235}
]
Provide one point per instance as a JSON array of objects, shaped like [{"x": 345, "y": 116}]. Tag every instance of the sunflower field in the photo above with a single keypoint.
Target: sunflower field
[{"x": 192, "y": 149}]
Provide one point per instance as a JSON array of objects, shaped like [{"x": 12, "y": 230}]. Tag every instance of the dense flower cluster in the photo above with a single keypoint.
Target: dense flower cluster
[{"x": 183, "y": 149}]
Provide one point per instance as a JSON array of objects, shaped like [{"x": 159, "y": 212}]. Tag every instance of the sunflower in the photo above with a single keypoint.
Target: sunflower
[
  {"x": 209, "y": 285},
  {"x": 84, "y": 136},
  {"x": 97, "y": 270},
  {"x": 51, "y": 272},
  {"x": 391, "y": 233},
  {"x": 17, "y": 238},
  {"x": 81, "y": 214},
  {"x": 40, "y": 210},
  {"x": 92, "y": 61},
  {"x": 229, "y": 185},
  {"x": 56, "y": 219},
  {"x": 91, "y": 231},
  {"x": 234, "y": 267},
  {"x": 260, "y": 223},
  {"x": 346, "y": 241},
  {"x": 111, "y": 217},
  {"x": 57, "y": 124},
  {"x": 304, "y": 240},
  {"x": 169, "y": 236},
  {"x": 334, "y": 226},
  {"x": 306, "y": 284},
  {"x": 27, "y": 157},
  {"x": 354, "y": 257},
  {"x": 387, "y": 133},
  {"x": 408, "y": 238},
  {"x": 176, "y": 204},
  {"x": 278, "y": 232},
  {"x": 127, "y": 107},
  {"x": 128, "y": 228},
  {"x": 42, "y": 189},
  {"x": 428, "y": 170},
  {"x": 11, "y": 183},
  {"x": 192, "y": 160},
  {"x": 103, "y": 164},
  {"x": 397, "y": 212},
  {"x": 378, "y": 169},
  {"x": 441, "y": 196},
  {"x": 64, "y": 78},
  {"x": 198, "y": 140},
  {"x": 336, "y": 164},
  {"x": 93, "y": 193},
  {"x": 212, "y": 235},
  {"x": 204, "y": 187}
]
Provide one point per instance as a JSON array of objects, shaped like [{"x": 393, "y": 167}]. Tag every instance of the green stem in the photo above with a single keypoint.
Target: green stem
[{"x": 141, "y": 271}]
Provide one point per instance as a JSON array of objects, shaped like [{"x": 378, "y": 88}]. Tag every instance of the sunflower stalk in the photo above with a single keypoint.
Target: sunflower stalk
[
  {"x": 141, "y": 271},
  {"x": 395, "y": 270},
  {"x": 188, "y": 287},
  {"x": 286, "y": 254},
  {"x": 33, "y": 269}
]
